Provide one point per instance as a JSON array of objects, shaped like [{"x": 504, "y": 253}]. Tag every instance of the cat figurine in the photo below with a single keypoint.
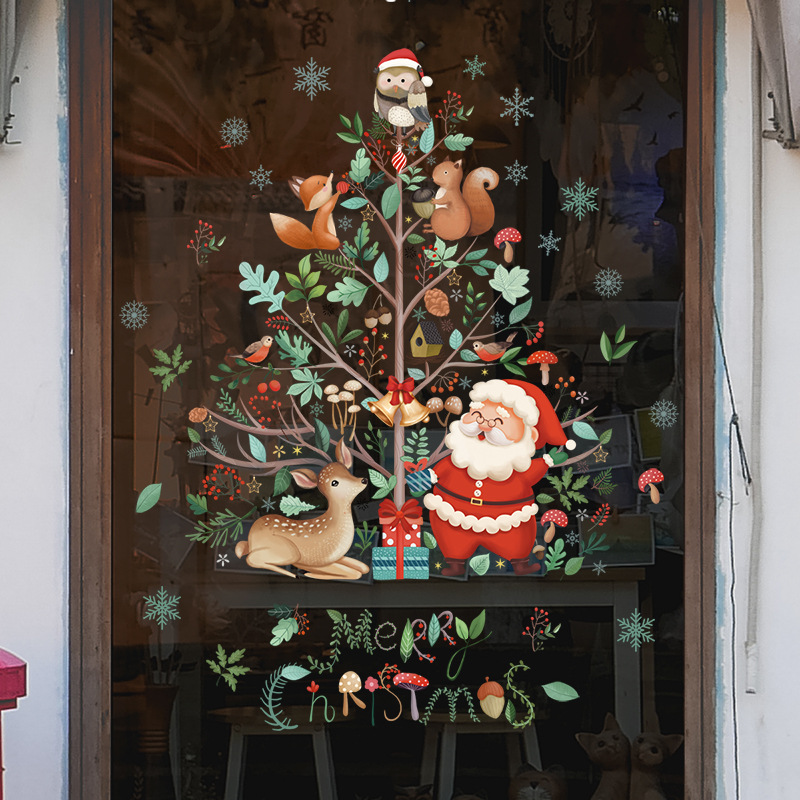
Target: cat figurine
[
  {"x": 533, "y": 784},
  {"x": 414, "y": 792},
  {"x": 648, "y": 752},
  {"x": 610, "y": 750}
]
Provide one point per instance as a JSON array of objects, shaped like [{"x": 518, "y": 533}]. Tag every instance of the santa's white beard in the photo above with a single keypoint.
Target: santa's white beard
[{"x": 482, "y": 459}]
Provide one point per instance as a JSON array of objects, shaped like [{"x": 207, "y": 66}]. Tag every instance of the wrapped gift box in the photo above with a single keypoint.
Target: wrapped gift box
[{"x": 414, "y": 564}]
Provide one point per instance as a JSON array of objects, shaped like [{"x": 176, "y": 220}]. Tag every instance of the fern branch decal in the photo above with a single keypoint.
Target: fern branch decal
[{"x": 272, "y": 696}]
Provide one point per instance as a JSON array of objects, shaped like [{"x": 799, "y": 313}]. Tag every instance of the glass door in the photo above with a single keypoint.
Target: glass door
[{"x": 397, "y": 399}]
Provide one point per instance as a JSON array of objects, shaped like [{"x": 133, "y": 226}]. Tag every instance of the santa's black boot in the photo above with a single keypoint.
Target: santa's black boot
[
  {"x": 455, "y": 568},
  {"x": 523, "y": 567}
]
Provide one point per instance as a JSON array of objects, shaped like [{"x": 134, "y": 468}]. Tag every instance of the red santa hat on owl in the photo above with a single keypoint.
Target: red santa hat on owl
[
  {"x": 404, "y": 58},
  {"x": 530, "y": 404}
]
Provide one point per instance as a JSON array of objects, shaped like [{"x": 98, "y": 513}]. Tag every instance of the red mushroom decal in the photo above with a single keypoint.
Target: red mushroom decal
[
  {"x": 412, "y": 682},
  {"x": 649, "y": 478},
  {"x": 552, "y": 518},
  {"x": 507, "y": 236},
  {"x": 544, "y": 358}
]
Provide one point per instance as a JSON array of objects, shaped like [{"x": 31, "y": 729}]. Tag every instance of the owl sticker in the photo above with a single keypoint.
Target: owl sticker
[{"x": 400, "y": 96}]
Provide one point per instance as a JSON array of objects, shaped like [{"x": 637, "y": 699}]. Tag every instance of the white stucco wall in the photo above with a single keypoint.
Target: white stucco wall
[
  {"x": 759, "y": 232},
  {"x": 33, "y": 409}
]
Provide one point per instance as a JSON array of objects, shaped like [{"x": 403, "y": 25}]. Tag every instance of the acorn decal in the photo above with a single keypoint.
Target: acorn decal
[{"x": 491, "y": 697}]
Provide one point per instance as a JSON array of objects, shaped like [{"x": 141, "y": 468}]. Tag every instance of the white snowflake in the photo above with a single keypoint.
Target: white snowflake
[
  {"x": 134, "y": 315},
  {"x": 345, "y": 223},
  {"x": 234, "y": 131},
  {"x": 222, "y": 559},
  {"x": 498, "y": 319},
  {"x": 637, "y": 630},
  {"x": 163, "y": 608},
  {"x": 663, "y": 413},
  {"x": 311, "y": 78},
  {"x": 549, "y": 242},
  {"x": 608, "y": 283},
  {"x": 431, "y": 159},
  {"x": 582, "y": 514},
  {"x": 516, "y": 172},
  {"x": 573, "y": 538},
  {"x": 580, "y": 199},
  {"x": 517, "y": 106},
  {"x": 260, "y": 177},
  {"x": 599, "y": 568},
  {"x": 474, "y": 67}
]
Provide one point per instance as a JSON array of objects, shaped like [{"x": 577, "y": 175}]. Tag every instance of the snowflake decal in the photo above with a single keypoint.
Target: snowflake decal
[
  {"x": 223, "y": 560},
  {"x": 549, "y": 242},
  {"x": 268, "y": 505},
  {"x": 311, "y": 78},
  {"x": 599, "y": 568},
  {"x": 234, "y": 131},
  {"x": 134, "y": 315},
  {"x": 580, "y": 199},
  {"x": 474, "y": 67},
  {"x": 419, "y": 313},
  {"x": 431, "y": 160},
  {"x": 517, "y": 106},
  {"x": 498, "y": 319},
  {"x": 663, "y": 413},
  {"x": 637, "y": 630},
  {"x": 573, "y": 538},
  {"x": 465, "y": 382},
  {"x": 260, "y": 177},
  {"x": 345, "y": 223},
  {"x": 456, "y": 295},
  {"x": 608, "y": 283},
  {"x": 161, "y": 607},
  {"x": 350, "y": 350},
  {"x": 516, "y": 172},
  {"x": 316, "y": 409}
]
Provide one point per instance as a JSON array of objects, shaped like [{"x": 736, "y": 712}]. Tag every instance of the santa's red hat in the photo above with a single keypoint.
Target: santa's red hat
[
  {"x": 404, "y": 58},
  {"x": 529, "y": 403}
]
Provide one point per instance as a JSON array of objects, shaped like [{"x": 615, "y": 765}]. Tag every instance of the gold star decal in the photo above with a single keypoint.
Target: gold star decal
[
  {"x": 484, "y": 371},
  {"x": 210, "y": 424},
  {"x": 408, "y": 219},
  {"x": 307, "y": 317},
  {"x": 384, "y": 335},
  {"x": 600, "y": 455},
  {"x": 415, "y": 138},
  {"x": 438, "y": 565},
  {"x": 297, "y": 450},
  {"x": 500, "y": 563},
  {"x": 368, "y": 214},
  {"x": 454, "y": 278},
  {"x": 254, "y": 486}
]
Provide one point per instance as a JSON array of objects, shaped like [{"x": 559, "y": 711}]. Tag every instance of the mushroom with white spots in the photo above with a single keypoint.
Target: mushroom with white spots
[
  {"x": 650, "y": 478},
  {"x": 334, "y": 400},
  {"x": 507, "y": 237},
  {"x": 544, "y": 358},
  {"x": 552, "y": 518},
  {"x": 453, "y": 405},
  {"x": 350, "y": 683},
  {"x": 435, "y": 405},
  {"x": 412, "y": 682}
]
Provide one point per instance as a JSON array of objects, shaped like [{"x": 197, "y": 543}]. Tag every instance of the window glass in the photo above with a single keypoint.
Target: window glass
[{"x": 397, "y": 399}]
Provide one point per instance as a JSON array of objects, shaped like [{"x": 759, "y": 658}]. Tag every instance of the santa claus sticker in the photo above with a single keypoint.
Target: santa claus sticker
[{"x": 483, "y": 493}]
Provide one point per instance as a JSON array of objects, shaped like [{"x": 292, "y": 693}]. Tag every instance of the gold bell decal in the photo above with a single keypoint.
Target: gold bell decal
[
  {"x": 413, "y": 412},
  {"x": 399, "y": 397},
  {"x": 384, "y": 410}
]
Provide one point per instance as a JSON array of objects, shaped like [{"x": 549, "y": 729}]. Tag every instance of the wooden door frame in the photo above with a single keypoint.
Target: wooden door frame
[{"x": 90, "y": 108}]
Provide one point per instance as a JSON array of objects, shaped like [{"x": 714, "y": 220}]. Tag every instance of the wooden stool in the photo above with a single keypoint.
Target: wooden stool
[
  {"x": 440, "y": 726},
  {"x": 249, "y": 721}
]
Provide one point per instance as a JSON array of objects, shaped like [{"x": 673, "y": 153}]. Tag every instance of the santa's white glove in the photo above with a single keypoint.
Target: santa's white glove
[{"x": 548, "y": 460}]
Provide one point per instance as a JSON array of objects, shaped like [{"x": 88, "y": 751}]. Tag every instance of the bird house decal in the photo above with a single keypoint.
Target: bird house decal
[{"x": 426, "y": 341}]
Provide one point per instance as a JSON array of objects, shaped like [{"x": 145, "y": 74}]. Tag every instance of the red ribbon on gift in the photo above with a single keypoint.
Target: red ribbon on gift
[
  {"x": 399, "y": 521},
  {"x": 397, "y": 389}
]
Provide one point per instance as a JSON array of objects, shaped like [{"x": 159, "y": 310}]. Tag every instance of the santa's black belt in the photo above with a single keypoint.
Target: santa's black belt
[{"x": 479, "y": 501}]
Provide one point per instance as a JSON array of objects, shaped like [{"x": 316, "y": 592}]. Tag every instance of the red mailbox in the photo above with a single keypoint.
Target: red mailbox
[{"x": 12, "y": 686}]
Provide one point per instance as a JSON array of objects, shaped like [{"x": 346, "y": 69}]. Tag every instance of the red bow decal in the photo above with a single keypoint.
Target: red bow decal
[
  {"x": 397, "y": 389},
  {"x": 391, "y": 517}
]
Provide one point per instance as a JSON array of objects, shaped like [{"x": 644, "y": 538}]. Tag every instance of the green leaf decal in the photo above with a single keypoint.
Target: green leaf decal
[
  {"x": 573, "y": 566},
  {"x": 381, "y": 268},
  {"x": 469, "y": 355},
  {"x": 511, "y": 712},
  {"x": 519, "y": 313},
  {"x": 477, "y": 625},
  {"x": 562, "y": 692},
  {"x": 456, "y": 339},
  {"x": 348, "y": 290},
  {"x": 257, "y": 449},
  {"x": 283, "y": 480},
  {"x": 461, "y": 629},
  {"x": 480, "y": 564},
  {"x": 322, "y": 436},
  {"x": 294, "y": 672},
  {"x": 265, "y": 289},
  {"x": 353, "y": 203},
  {"x": 605, "y": 347},
  {"x": 511, "y": 283},
  {"x": 148, "y": 497},
  {"x": 194, "y": 436},
  {"x": 291, "y": 505},
  {"x": 585, "y": 431},
  {"x": 335, "y": 615},
  {"x": 434, "y": 629},
  {"x": 390, "y": 201},
  {"x": 407, "y": 641},
  {"x": 283, "y": 631},
  {"x": 457, "y": 141},
  {"x": 430, "y": 540},
  {"x": 426, "y": 140}
]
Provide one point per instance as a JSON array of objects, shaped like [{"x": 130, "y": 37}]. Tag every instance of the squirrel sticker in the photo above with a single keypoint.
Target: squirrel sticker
[
  {"x": 461, "y": 211},
  {"x": 317, "y": 193}
]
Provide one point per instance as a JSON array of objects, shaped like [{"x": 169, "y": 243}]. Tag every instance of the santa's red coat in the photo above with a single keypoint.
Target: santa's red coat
[{"x": 462, "y": 518}]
